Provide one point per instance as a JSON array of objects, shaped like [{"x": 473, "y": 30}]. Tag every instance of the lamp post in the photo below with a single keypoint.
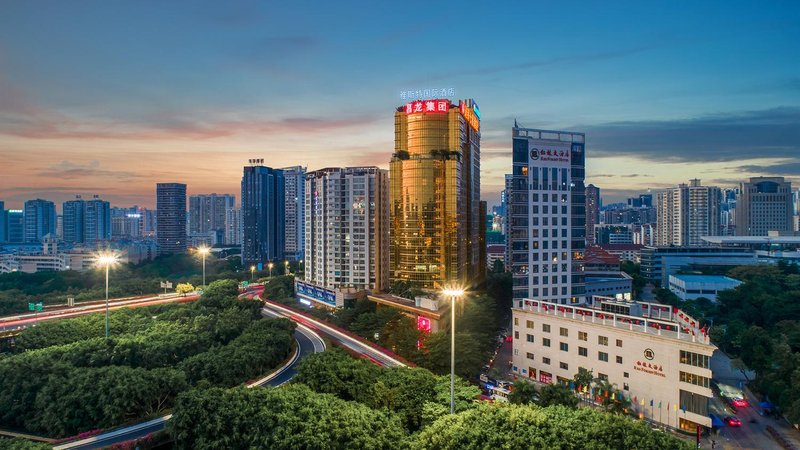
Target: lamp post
[
  {"x": 106, "y": 259},
  {"x": 270, "y": 266},
  {"x": 203, "y": 251},
  {"x": 252, "y": 272},
  {"x": 285, "y": 267},
  {"x": 453, "y": 293}
]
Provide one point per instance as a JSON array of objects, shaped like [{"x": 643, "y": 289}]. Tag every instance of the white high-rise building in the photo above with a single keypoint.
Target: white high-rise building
[
  {"x": 295, "y": 179},
  {"x": 764, "y": 204},
  {"x": 233, "y": 226},
  {"x": 687, "y": 213},
  {"x": 548, "y": 216},
  {"x": 346, "y": 234}
]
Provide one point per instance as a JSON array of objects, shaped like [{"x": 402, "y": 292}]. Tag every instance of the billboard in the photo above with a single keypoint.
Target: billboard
[
  {"x": 549, "y": 153},
  {"x": 437, "y": 106},
  {"x": 315, "y": 293}
]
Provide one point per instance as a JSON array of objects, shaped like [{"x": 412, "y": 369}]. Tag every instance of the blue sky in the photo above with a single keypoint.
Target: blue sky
[{"x": 112, "y": 97}]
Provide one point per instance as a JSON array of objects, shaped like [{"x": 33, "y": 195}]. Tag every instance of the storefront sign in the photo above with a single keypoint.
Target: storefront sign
[{"x": 648, "y": 367}]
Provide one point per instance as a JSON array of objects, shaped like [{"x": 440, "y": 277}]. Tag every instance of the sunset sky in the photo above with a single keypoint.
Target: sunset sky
[{"x": 111, "y": 97}]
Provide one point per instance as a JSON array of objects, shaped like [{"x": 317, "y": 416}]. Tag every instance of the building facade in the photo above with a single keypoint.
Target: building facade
[
  {"x": 658, "y": 263},
  {"x": 764, "y": 204},
  {"x": 263, "y": 214},
  {"x": 3, "y": 223},
  {"x": 548, "y": 215},
  {"x": 39, "y": 219},
  {"x": 207, "y": 214},
  {"x": 592, "y": 212},
  {"x": 86, "y": 222},
  {"x": 233, "y": 226},
  {"x": 655, "y": 358},
  {"x": 690, "y": 287},
  {"x": 687, "y": 213},
  {"x": 171, "y": 218},
  {"x": 15, "y": 223},
  {"x": 294, "y": 194},
  {"x": 435, "y": 195},
  {"x": 347, "y": 235}
]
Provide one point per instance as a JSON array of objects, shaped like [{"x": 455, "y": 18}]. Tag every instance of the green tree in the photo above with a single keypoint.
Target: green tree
[
  {"x": 184, "y": 288},
  {"x": 583, "y": 378},
  {"x": 524, "y": 393},
  {"x": 556, "y": 394},
  {"x": 335, "y": 372}
]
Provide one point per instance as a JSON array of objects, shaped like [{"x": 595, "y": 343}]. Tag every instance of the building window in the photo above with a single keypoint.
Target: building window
[
  {"x": 602, "y": 356},
  {"x": 563, "y": 366},
  {"x": 529, "y": 337},
  {"x": 694, "y": 359},
  {"x": 564, "y": 332},
  {"x": 546, "y": 360},
  {"x": 583, "y": 351},
  {"x": 602, "y": 376},
  {"x": 695, "y": 403},
  {"x": 583, "y": 336},
  {"x": 602, "y": 340},
  {"x": 545, "y": 328},
  {"x": 546, "y": 342},
  {"x": 625, "y": 386},
  {"x": 529, "y": 355},
  {"x": 619, "y": 359},
  {"x": 626, "y": 375},
  {"x": 619, "y": 342},
  {"x": 516, "y": 335},
  {"x": 563, "y": 346},
  {"x": 696, "y": 380},
  {"x": 516, "y": 321},
  {"x": 529, "y": 324}
]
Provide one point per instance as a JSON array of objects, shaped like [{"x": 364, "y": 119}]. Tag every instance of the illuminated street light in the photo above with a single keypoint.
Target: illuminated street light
[
  {"x": 203, "y": 251},
  {"x": 106, "y": 259},
  {"x": 252, "y": 272},
  {"x": 285, "y": 267},
  {"x": 270, "y": 266},
  {"x": 453, "y": 293}
]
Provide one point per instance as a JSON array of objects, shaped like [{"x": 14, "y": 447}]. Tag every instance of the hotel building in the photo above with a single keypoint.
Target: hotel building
[
  {"x": 346, "y": 234},
  {"x": 435, "y": 195},
  {"x": 548, "y": 215},
  {"x": 657, "y": 357}
]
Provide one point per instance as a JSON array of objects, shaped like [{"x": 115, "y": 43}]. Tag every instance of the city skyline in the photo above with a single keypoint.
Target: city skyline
[{"x": 85, "y": 108}]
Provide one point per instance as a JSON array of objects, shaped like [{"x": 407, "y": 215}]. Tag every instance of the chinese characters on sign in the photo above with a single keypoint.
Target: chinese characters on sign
[
  {"x": 470, "y": 117},
  {"x": 550, "y": 155},
  {"x": 652, "y": 369},
  {"x": 427, "y": 106},
  {"x": 422, "y": 94}
]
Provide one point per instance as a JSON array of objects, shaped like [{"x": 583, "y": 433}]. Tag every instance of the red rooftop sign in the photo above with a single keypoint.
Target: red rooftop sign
[{"x": 427, "y": 106}]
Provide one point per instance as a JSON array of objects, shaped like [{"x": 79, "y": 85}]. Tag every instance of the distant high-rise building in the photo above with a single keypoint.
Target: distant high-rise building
[
  {"x": 642, "y": 201},
  {"x": 347, "y": 228},
  {"x": 171, "y": 218},
  {"x": 86, "y": 221},
  {"x": 233, "y": 226},
  {"x": 435, "y": 195},
  {"x": 764, "y": 204},
  {"x": 263, "y": 214},
  {"x": 127, "y": 223},
  {"x": 592, "y": 211},
  {"x": 687, "y": 213},
  {"x": 40, "y": 219},
  {"x": 15, "y": 221},
  {"x": 295, "y": 179},
  {"x": 207, "y": 213},
  {"x": 3, "y": 223},
  {"x": 548, "y": 216}
]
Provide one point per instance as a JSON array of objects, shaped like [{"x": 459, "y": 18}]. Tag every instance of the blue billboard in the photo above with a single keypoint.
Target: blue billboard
[{"x": 315, "y": 293}]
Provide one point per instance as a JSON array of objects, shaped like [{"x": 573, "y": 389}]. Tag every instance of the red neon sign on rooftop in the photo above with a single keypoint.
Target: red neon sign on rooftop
[{"x": 427, "y": 106}]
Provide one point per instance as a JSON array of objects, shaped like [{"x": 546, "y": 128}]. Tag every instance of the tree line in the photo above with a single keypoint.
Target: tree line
[{"x": 66, "y": 377}]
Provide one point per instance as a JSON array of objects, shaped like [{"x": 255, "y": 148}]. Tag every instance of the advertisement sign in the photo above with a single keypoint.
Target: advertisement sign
[
  {"x": 437, "y": 106},
  {"x": 549, "y": 153},
  {"x": 316, "y": 293},
  {"x": 469, "y": 115},
  {"x": 423, "y": 324}
]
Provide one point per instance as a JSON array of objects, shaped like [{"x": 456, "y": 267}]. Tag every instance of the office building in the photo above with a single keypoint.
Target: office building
[
  {"x": 657, "y": 359},
  {"x": 658, "y": 263},
  {"x": 207, "y": 214},
  {"x": 613, "y": 234},
  {"x": 347, "y": 235},
  {"x": 263, "y": 215},
  {"x": 687, "y": 213},
  {"x": 86, "y": 222},
  {"x": 642, "y": 201},
  {"x": 435, "y": 195},
  {"x": 15, "y": 223},
  {"x": 171, "y": 218},
  {"x": 233, "y": 226},
  {"x": 592, "y": 212},
  {"x": 294, "y": 178},
  {"x": 3, "y": 223},
  {"x": 764, "y": 204},
  {"x": 40, "y": 220},
  {"x": 691, "y": 287},
  {"x": 548, "y": 215},
  {"x": 127, "y": 223}
]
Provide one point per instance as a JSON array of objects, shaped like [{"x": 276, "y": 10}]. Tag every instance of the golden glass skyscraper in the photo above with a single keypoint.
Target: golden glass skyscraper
[{"x": 434, "y": 176}]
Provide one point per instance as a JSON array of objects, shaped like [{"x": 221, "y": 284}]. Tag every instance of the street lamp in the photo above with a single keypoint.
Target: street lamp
[
  {"x": 106, "y": 259},
  {"x": 285, "y": 267},
  {"x": 252, "y": 272},
  {"x": 270, "y": 266},
  {"x": 453, "y": 293},
  {"x": 203, "y": 251}
]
